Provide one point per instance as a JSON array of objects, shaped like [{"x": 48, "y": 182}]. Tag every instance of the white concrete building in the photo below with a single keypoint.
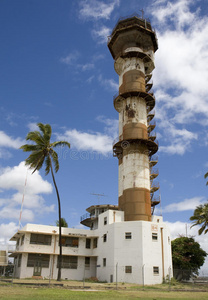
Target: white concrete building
[{"x": 113, "y": 250}]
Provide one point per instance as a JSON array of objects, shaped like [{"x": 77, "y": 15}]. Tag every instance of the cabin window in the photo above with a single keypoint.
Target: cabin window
[
  {"x": 38, "y": 259},
  {"x": 22, "y": 239},
  {"x": 69, "y": 262},
  {"x": 95, "y": 240},
  {"x": 70, "y": 242},
  {"x": 128, "y": 235},
  {"x": 40, "y": 239},
  {"x": 87, "y": 262},
  {"x": 19, "y": 260},
  {"x": 88, "y": 243},
  {"x": 156, "y": 270},
  {"x": 128, "y": 269},
  {"x": 105, "y": 238},
  {"x": 104, "y": 262},
  {"x": 154, "y": 236}
]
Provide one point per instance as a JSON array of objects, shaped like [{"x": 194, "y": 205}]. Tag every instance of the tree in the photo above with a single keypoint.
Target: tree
[
  {"x": 187, "y": 256},
  {"x": 200, "y": 217},
  {"x": 42, "y": 152},
  {"x": 63, "y": 223}
]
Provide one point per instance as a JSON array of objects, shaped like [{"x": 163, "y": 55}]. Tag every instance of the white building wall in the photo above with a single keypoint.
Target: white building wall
[{"x": 140, "y": 252}]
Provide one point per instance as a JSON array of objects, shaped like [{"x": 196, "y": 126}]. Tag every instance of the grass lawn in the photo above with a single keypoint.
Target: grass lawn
[{"x": 9, "y": 291}]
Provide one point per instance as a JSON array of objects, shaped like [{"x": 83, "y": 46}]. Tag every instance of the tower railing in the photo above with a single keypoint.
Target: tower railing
[
  {"x": 143, "y": 22},
  {"x": 154, "y": 158}
]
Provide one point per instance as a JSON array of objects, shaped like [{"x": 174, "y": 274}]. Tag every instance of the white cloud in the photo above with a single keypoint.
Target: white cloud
[
  {"x": 32, "y": 126},
  {"x": 6, "y": 232},
  {"x": 108, "y": 83},
  {"x": 187, "y": 204},
  {"x": 86, "y": 67},
  {"x": 181, "y": 73},
  {"x": 7, "y": 141},
  {"x": 167, "y": 11},
  {"x": 101, "y": 34},
  {"x": 88, "y": 141},
  {"x": 71, "y": 58},
  {"x": 90, "y": 79},
  {"x": 93, "y": 9},
  {"x": 111, "y": 127},
  {"x": 92, "y": 141},
  {"x": 28, "y": 188},
  {"x": 14, "y": 178}
]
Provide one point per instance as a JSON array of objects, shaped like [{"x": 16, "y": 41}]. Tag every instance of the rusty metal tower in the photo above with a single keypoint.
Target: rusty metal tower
[{"x": 132, "y": 44}]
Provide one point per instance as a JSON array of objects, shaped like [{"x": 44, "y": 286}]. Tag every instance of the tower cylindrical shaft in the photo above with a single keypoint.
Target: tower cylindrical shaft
[{"x": 132, "y": 45}]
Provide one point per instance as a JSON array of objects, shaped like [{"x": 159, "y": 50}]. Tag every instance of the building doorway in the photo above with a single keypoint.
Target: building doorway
[{"x": 37, "y": 268}]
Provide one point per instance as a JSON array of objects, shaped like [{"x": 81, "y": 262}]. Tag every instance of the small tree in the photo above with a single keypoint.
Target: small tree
[
  {"x": 63, "y": 223},
  {"x": 188, "y": 257}
]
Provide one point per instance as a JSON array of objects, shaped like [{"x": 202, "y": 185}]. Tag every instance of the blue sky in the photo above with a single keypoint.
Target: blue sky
[{"x": 55, "y": 68}]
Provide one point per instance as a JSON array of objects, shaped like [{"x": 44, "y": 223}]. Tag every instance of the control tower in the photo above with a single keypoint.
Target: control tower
[{"x": 132, "y": 44}]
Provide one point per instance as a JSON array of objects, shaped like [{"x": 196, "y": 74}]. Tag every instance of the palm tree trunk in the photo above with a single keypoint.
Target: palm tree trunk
[{"x": 60, "y": 242}]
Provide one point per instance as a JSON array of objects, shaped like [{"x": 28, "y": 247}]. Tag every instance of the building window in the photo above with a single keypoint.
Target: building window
[
  {"x": 22, "y": 239},
  {"x": 41, "y": 260},
  {"x": 105, "y": 238},
  {"x": 128, "y": 269},
  {"x": 69, "y": 262},
  {"x": 17, "y": 243},
  {"x": 95, "y": 240},
  {"x": 19, "y": 260},
  {"x": 87, "y": 262},
  {"x": 105, "y": 221},
  {"x": 70, "y": 242},
  {"x": 154, "y": 236},
  {"x": 104, "y": 262},
  {"x": 88, "y": 243},
  {"x": 156, "y": 270},
  {"x": 40, "y": 239},
  {"x": 128, "y": 235}
]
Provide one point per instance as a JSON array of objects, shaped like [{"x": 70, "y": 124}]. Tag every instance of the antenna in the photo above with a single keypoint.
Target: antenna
[
  {"x": 98, "y": 195},
  {"x": 23, "y": 197},
  {"x": 142, "y": 10}
]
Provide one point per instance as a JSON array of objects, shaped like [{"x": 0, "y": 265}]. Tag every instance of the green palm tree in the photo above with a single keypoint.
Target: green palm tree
[
  {"x": 200, "y": 217},
  {"x": 42, "y": 152},
  {"x": 63, "y": 223}
]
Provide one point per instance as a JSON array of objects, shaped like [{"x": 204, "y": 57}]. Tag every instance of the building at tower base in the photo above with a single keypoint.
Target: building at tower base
[{"x": 113, "y": 250}]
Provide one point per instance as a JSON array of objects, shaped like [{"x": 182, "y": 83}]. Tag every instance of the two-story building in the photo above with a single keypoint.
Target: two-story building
[{"x": 112, "y": 250}]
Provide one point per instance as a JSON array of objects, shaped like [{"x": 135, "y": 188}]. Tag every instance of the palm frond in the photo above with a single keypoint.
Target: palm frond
[
  {"x": 30, "y": 147},
  {"x": 47, "y": 165},
  {"x": 54, "y": 156},
  {"x": 35, "y": 160},
  {"x": 46, "y": 130},
  {"x": 60, "y": 143},
  {"x": 35, "y": 137}
]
